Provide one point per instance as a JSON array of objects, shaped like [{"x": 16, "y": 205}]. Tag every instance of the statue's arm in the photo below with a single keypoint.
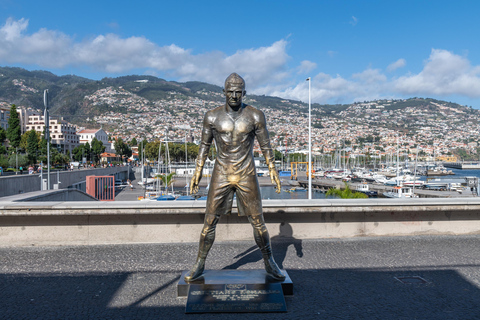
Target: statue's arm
[
  {"x": 205, "y": 143},
  {"x": 263, "y": 138}
]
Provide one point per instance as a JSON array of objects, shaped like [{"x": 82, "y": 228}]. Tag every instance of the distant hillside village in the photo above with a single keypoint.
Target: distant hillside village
[
  {"x": 65, "y": 137},
  {"x": 356, "y": 140},
  {"x": 123, "y": 115}
]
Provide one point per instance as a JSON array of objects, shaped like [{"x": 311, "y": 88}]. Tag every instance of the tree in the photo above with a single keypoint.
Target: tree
[
  {"x": 151, "y": 150},
  {"x": 14, "y": 159},
  {"x": 78, "y": 152},
  {"x": 122, "y": 149},
  {"x": 346, "y": 193},
  {"x": 97, "y": 149},
  {"x": 133, "y": 142},
  {"x": 87, "y": 150},
  {"x": 23, "y": 141},
  {"x": 3, "y": 161},
  {"x": 32, "y": 146},
  {"x": 3, "y": 136},
  {"x": 14, "y": 131},
  {"x": 58, "y": 158},
  {"x": 167, "y": 179},
  {"x": 278, "y": 154}
]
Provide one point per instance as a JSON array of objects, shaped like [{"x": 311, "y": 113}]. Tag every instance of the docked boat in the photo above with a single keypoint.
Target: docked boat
[
  {"x": 400, "y": 193},
  {"x": 167, "y": 197},
  {"x": 365, "y": 189},
  {"x": 439, "y": 186},
  {"x": 439, "y": 171},
  {"x": 185, "y": 198},
  {"x": 297, "y": 189},
  {"x": 416, "y": 183}
]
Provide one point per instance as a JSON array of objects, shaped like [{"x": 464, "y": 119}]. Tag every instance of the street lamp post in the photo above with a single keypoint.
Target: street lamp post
[
  {"x": 47, "y": 134},
  {"x": 309, "y": 165},
  {"x": 186, "y": 163}
]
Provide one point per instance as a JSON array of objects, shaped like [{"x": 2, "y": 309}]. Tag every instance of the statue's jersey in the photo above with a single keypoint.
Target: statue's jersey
[
  {"x": 234, "y": 170},
  {"x": 234, "y": 135}
]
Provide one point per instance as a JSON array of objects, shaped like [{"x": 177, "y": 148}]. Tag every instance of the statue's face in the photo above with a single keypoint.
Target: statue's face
[{"x": 234, "y": 93}]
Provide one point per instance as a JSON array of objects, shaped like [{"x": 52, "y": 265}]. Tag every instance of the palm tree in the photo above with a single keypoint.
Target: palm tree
[
  {"x": 346, "y": 193},
  {"x": 167, "y": 179}
]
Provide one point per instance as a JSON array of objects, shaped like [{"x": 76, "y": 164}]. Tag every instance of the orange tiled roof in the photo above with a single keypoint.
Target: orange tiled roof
[{"x": 88, "y": 131}]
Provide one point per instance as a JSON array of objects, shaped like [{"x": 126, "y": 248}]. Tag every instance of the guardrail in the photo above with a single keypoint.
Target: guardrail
[{"x": 19, "y": 184}]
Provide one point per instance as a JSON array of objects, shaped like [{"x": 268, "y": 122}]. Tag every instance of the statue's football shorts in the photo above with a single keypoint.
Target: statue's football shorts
[{"x": 221, "y": 192}]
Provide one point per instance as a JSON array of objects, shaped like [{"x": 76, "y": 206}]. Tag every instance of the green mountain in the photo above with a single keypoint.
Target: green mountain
[{"x": 76, "y": 98}]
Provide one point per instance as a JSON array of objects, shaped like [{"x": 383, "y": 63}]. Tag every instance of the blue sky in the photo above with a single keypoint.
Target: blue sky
[{"x": 353, "y": 50}]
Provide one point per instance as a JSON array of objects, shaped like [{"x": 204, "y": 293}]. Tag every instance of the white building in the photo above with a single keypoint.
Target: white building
[
  {"x": 62, "y": 134},
  {"x": 87, "y": 135}
]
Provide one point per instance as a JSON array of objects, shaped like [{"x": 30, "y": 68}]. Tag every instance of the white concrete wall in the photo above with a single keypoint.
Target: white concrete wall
[{"x": 71, "y": 223}]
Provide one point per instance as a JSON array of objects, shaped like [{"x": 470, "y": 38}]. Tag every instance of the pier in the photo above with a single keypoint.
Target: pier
[
  {"x": 464, "y": 165},
  {"x": 323, "y": 185}
]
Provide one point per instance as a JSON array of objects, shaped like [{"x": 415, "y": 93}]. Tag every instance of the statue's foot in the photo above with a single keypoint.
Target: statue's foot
[
  {"x": 272, "y": 269},
  {"x": 196, "y": 272}
]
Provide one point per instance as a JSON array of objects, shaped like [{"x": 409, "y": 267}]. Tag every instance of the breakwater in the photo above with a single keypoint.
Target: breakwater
[{"x": 465, "y": 165}]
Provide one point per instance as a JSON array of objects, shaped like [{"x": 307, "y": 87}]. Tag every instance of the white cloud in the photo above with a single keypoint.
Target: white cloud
[
  {"x": 444, "y": 73},
  {"x": 400, "y": 63},
  {"x": 257, "y": 65},
  {"x": 265, "y": 69},
  {"x": 366, "y": 85},
  {"x": 12, "y": 29},
  {"x": 370, "y": 76},
  {"x": 306, "y": 67},
  {"x": 332, "y": 53},
  {"x": 354, "y": 21},
  {"x": 113, "y": 54}
]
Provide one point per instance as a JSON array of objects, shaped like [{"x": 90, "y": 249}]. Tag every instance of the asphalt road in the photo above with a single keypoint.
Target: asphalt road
[{"x": 333, "y": 279}]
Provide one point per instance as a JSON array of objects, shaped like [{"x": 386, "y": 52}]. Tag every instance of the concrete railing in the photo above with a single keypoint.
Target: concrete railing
[
  {"x": 19, "y": 184},
  {"x": 72, "y": 223}
]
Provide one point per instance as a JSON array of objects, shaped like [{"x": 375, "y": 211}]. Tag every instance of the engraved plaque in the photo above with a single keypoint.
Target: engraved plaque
[
  {"x": 234, "y": 276},
  {"x": 207, "y": 298}
]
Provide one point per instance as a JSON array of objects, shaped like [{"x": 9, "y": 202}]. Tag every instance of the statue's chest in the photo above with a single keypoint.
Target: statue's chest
[{"x": 234, "y": 129}]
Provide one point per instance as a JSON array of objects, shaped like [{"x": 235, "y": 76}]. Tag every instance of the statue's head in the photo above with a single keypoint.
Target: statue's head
[
  {"x": 234, "y": 78},
  {"x": 234, "y": 90}
]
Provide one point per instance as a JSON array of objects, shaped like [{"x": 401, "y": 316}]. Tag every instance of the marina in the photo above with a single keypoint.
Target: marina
[{"x": 452, "y": 186}]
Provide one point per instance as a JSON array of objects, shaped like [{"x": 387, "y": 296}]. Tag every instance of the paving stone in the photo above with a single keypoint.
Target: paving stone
[{"x": 333, "y": 279}]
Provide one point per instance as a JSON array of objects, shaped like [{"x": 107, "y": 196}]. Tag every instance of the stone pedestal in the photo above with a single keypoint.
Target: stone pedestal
[{"x": 235, "y": 291}]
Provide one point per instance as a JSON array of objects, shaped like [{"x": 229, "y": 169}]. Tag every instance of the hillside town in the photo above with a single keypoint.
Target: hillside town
[{"x": 434, "y": 131}]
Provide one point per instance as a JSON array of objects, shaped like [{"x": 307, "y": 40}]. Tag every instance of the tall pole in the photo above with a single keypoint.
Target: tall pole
[
  {"x": 309, "y": 165},
  {"x": 47, "y": 134},
  {"x": 415, "y": 171},
  {"x": 186, "y": 163},
  {"x": 41, "y": 175},
  {"x": 143, "y": 171}
]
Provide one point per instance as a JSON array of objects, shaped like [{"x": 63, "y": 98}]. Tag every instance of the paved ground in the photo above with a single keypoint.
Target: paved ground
[{"x": 333, "y": 279}]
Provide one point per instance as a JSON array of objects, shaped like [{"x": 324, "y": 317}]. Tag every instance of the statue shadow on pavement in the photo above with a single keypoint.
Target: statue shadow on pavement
[{"x": 280, "y": 244}]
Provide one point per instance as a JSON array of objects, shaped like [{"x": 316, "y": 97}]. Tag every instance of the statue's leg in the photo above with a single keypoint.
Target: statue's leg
[
  {"x": 207, "y": 237},
  {"x": 262, "y": 238}
]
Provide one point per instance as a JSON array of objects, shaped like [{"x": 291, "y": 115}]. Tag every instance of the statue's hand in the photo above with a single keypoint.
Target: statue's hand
[
  {"x": 194, "y": 184},
  {"x": 275, "y": 179}
]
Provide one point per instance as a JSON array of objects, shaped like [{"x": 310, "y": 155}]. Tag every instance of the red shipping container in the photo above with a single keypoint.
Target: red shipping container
[{"x": 101, "y": 187}]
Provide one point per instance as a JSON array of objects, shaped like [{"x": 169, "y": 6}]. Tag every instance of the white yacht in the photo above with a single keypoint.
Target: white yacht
[{"x": 400, "y": 192}]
